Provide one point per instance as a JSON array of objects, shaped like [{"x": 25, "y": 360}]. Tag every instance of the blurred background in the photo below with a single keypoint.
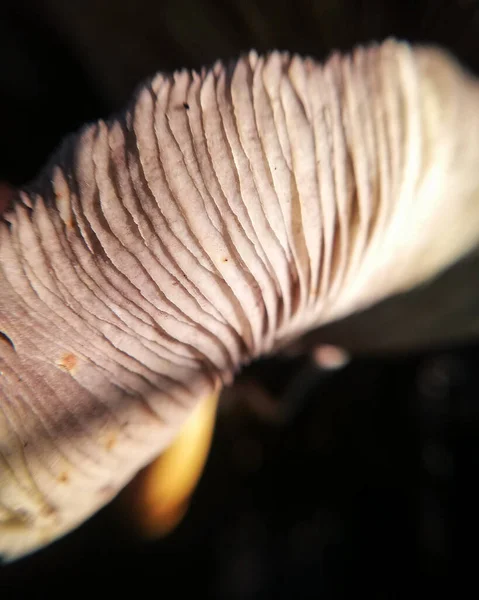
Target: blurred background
[{"x": 321, "y": 483}]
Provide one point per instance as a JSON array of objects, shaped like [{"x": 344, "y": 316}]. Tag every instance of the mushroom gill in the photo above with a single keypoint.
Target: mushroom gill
[{"x": 225, "y": 214}]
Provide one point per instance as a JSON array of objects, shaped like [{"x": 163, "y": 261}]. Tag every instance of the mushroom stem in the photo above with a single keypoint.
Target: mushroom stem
[
  {"x": 224, "y": 215},
  {"x": 158, "y": 497}
]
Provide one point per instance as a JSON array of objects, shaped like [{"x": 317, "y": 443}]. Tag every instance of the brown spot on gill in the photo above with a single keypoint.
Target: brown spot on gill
[
  {"x": 47, "y": 511},
  {"x": 68, "y": 362},
  {"x": 11, "y": 520},
  {"x": 63, "y": 477},
  {"x": 110, "y": 442}
]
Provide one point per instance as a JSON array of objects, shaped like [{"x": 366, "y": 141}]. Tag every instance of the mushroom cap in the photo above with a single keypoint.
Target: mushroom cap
[{"x": 224, "y": 215}]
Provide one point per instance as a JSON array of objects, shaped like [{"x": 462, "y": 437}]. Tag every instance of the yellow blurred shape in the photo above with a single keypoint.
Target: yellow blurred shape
[{"x": 160, "y": 494}]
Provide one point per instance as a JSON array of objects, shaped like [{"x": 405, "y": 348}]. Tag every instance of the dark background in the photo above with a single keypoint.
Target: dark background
[{"x": 367, "y": 484}]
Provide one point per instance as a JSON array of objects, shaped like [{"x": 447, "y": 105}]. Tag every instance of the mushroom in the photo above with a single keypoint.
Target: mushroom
[{"x": 223, "y": 216}]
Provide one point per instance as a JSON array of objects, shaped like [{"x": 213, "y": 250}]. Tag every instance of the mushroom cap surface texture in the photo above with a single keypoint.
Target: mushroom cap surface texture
[{"x": 225, "y": 214}]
